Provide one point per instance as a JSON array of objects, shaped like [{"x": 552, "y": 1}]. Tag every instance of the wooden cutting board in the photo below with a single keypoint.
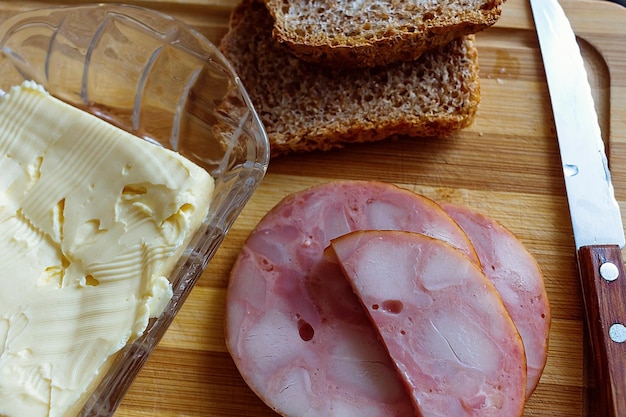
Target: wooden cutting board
[{"x": 506, "y": 165}]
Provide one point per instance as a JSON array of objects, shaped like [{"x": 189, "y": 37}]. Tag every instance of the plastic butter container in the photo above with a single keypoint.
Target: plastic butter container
[{"x": 161, "y": 81}]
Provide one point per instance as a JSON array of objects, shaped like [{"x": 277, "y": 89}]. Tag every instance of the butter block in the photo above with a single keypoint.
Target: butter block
[{"x": 92, "y": 221}]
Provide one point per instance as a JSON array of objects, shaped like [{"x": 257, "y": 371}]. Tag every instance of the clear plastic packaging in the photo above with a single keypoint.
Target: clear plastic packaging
[{"x": 159, "y": 79}]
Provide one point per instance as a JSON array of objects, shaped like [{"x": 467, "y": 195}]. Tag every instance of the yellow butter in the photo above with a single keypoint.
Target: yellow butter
[{"x": 92, "y": 220}]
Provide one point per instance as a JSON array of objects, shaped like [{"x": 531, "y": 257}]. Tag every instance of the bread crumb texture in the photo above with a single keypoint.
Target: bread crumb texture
[
  {"x": 305, "y": 106},
  {"x": 375, "y": 32}
]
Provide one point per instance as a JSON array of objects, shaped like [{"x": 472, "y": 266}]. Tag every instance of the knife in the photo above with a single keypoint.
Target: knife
[{"x": 594, "y": 211}]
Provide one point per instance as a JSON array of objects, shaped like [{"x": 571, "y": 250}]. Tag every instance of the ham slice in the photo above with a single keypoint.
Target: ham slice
[
  {"x": 518, "y": 279},
  {"x": 294, "y": 328},
  {"x": 441, "y": 320}
]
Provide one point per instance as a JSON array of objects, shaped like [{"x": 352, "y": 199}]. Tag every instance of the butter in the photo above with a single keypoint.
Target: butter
[{"x": 92, "y": 220}]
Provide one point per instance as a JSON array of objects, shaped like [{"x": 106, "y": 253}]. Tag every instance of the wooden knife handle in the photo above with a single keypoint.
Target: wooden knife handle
[{"x": 604, "y": 291}]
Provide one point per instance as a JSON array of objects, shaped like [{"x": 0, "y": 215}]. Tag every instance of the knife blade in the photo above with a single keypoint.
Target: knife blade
[{"x": 594, "y": 211}]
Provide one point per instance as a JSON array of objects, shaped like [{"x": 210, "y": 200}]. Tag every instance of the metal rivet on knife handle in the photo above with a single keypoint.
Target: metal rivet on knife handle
[
  {"x": 617, "y": 332},
  {"x": 609, "y": 271}
]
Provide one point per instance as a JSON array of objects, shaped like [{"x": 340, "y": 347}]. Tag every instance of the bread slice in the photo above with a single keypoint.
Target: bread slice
[
  {"x": 375, "y": 32},
  {"x": 306, "y": 106}
]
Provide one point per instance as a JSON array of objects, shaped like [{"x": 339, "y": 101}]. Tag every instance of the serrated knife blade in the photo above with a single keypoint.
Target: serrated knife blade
[{"x": 594, "y": 211}]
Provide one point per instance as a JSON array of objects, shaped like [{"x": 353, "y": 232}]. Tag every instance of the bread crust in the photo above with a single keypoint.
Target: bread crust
[
  {"x": 306, "y": 106},
  {"x": 317, "y": 31}
]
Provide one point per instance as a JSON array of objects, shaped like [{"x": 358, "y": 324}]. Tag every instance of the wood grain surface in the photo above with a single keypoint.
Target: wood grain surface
[{"x": 506, "y": 165}]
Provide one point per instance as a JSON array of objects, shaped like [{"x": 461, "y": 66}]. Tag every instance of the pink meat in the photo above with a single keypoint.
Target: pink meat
[
  {"x": 294, "y": 328},
  {"x": 518, "y": 279},
  {"x": 441, "y": 320}
]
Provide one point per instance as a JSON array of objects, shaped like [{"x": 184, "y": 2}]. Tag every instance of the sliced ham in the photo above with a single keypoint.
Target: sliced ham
[
  {"x": 294, "y": 328},
  {"x": 441, "y": 320},
  {"x": 518, "y": 279}
]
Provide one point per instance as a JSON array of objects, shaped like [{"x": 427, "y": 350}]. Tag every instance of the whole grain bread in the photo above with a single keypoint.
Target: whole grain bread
[
  {"x": 305, "y": 106},
  {"x": 375, "y": 32}
]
